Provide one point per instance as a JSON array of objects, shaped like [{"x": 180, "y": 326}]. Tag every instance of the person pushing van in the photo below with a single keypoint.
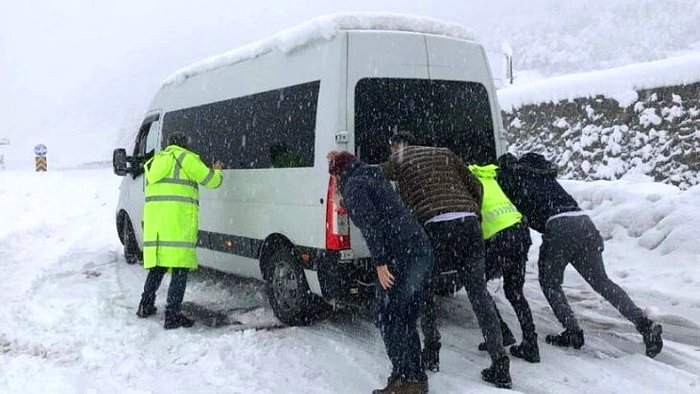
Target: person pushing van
[
  {"x": 171, "y": 224},
  {"x": 568, "y": 236},
  {"x": 446, "y": 198},
  {"x": 507, "y": 241},
  {"x": 404, "y": 261}
]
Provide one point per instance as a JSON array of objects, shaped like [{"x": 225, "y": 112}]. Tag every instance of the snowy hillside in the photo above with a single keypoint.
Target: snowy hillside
[
  {"x": 69, "y": 301},
  {"x": 636, "y": 119}
]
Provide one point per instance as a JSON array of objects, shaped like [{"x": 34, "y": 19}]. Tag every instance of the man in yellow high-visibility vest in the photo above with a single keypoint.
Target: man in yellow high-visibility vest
[
  {"x": 171, "y": 224},
  {"x": 507, "y": 240}
]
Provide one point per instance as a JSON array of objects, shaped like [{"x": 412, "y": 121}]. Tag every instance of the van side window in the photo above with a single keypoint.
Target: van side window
[
  {"x": 152, "y": 139},
  {"x": 449, "y": 114},
  {"x": 146, "y": 141},
  {"x": 273, "y": 129}
]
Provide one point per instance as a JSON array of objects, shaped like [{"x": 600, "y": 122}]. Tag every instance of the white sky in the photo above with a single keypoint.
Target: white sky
[{"x": 75, "y": 72}]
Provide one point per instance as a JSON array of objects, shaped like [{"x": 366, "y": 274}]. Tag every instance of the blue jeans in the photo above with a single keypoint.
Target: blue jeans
[
  {"x": 399, "y": 309},
  {"x": 176, "y": 291}
]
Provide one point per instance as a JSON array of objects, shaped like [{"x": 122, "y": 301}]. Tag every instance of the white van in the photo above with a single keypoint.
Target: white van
[{"x": 273, "y": 110}]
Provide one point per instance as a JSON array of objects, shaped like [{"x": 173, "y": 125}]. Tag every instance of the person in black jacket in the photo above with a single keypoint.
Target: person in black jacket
[
  {"x": 568, "y": 236},
  {"x": 403, "y": 258}
]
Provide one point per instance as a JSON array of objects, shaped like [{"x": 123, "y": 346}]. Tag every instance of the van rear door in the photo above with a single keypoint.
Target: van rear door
[
  {"x": 437, "y": 88},
  {"x": 459, "y": 60},
  {"x": 378, "y": 55}
]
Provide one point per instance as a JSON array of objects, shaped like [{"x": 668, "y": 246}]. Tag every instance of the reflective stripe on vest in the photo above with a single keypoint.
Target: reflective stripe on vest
[
  {"x": 491, "y": 215},
  {"x": 170, "y": 244},
  {"x": 174, "y": 181},
  {"x": 178, "y": 165},
  {"x": 209, "y": 177},
  {"x": 189, "y": 200}
]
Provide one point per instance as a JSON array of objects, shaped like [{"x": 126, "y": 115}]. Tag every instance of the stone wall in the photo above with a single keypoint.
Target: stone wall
[{"x": 595, "y": 138}]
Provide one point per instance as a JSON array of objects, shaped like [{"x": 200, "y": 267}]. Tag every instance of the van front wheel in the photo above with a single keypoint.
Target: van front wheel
[
  {"x": 290, "y": 297},
  {"x": 132, "y": 253}
]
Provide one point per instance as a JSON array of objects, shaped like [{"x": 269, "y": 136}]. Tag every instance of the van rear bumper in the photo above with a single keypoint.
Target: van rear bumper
[
  {"x": 345, "y": 281},
  {"x": 353, "y": 281}
]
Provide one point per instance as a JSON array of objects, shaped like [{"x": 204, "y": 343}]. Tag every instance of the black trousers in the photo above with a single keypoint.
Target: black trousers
[
  {"x": 176, "y": 291},
  {"x": 506, "y": 253},
  {"x": 459, "y": 243},
  {"x": 576, "y": 240}
]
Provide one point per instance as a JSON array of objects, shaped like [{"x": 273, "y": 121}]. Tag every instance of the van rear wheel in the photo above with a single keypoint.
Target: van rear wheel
[
  {"x": 290, "y": 297},
  {"x": 132, "y": 253}
]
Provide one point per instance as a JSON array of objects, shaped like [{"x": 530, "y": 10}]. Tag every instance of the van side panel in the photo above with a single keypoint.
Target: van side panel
[{"x": 252, "y": 204}]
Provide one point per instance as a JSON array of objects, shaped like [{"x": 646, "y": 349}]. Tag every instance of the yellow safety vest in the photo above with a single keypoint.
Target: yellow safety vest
[
  {"x": 497, "y": 212},
  {"x": 171, "y": 210}
]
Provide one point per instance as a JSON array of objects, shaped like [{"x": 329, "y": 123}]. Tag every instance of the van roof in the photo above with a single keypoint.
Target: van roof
[{"x": 324, "y": 28}]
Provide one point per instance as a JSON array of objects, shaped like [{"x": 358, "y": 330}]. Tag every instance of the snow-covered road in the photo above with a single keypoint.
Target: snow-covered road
[{"x": 68, "y": 326}]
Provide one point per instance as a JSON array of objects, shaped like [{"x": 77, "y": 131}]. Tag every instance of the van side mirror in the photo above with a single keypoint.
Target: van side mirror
[{"x": 120, "y": 162}]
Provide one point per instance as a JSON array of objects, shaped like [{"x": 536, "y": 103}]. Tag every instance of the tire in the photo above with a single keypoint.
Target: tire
[
  {"x": 132, "y": 253},
  {"x": 288, "y": 292}
]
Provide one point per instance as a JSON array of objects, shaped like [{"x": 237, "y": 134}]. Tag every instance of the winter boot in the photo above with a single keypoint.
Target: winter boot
[
  {"x": 498, "y": 373},
  {"x": 527, "y": 350},
  {"x": 508, "y": 338},
  {"x": 176, "y": 320},
  {"x": 568, "y": 338},
  {"x": 146, "y": 308},
  {"x": 400, "y": 385},
  {"x": 431, "y": 357},
  {"x": 651, "y": 333}
]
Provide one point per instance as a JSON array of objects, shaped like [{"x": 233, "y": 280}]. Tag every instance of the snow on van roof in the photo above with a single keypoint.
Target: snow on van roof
[{"x": 324, "y": 27}]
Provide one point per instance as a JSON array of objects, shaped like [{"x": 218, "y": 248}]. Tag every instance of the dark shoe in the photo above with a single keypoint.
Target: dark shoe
[
  {"x": 177, "y": 320},
  {"x": 651, "y": 333},
  {"x": 146, "y": 309},
  {"x": 400, "y": 385},
  {"x": 567, "y": 338},
  {"x": 431, "y": 358},
  {"x": 508, "y": 338},
  {"x": 527, "y": 350},
  {"x": 498, "y": 373}
]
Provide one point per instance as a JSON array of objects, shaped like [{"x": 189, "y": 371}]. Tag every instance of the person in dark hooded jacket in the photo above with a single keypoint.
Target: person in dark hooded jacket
[
  {"x": 403, "y": 257},
  {"x": 568, "y": 236}
]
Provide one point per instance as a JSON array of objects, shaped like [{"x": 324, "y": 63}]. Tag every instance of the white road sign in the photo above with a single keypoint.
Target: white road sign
[{"x": 40, "y": 150}]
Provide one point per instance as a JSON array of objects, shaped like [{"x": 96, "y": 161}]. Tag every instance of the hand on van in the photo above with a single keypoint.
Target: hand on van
[
  {"x": 386, "y": 279},
  {"x": 218, "y": 165}
]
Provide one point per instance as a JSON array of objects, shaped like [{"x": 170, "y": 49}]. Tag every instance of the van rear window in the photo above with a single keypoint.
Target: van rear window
[
  {"x": 273, "y": 129},
  {"x": 447, "y": 114}
]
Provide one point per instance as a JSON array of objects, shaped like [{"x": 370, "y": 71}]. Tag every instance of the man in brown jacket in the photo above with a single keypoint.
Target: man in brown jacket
[{"x": 446, "y": 197}]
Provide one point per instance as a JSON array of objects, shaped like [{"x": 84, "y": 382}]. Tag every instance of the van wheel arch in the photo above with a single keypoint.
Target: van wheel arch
[{"x": 278, "y": 255}]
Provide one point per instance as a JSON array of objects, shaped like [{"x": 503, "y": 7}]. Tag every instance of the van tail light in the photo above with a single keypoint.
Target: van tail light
[{"x": 337, "y": 221}]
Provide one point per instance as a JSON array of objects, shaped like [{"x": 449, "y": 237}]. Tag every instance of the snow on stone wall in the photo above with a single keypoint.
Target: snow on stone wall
[{"x": 658, "y": 134}]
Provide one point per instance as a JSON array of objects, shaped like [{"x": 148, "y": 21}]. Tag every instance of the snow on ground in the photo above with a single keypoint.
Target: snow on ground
[{"x": 68, "y": 323}]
